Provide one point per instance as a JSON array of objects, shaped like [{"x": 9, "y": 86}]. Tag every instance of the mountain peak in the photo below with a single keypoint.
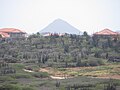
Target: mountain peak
[
  {"x": 60, "y": 26},
  {"x": 59, "y": 20}
]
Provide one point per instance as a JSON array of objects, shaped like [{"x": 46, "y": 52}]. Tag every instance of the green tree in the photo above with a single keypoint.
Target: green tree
[{"x": 85, "y": 33}]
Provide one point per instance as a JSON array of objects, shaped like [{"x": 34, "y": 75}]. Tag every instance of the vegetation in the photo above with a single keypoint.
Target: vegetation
[{"x": 82, "y": 59}]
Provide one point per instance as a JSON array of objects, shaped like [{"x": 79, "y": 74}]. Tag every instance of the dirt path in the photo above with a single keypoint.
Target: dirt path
[
  {"x": 28, "y": 70},
  {"x": 105, "y": 72},
  {"x": 56, "y": 77},
  {"x": 52, "y": 71},
  {"x": 59, "y": 74},
  {"x": 55, "y": 74}
]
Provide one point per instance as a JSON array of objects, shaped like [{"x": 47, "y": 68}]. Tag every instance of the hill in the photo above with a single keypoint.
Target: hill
[{"x": 82, "y": 61}]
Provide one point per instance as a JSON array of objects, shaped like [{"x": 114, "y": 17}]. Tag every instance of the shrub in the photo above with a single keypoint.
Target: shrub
[
  {"x": 40, "y": 74},
  {"x": 96, "y": 62},
  {"x": 91, "y": 62},
  {"x": 5, "y": 78},
  {"x": 20, "y": 75},
  {"x": 14, "y": 87},
  {"x": 27, "y": 88},
  {"x": 10, "y": 87}
]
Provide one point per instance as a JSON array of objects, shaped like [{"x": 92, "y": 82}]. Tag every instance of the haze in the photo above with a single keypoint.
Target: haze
[{"x": 86, "y": 15}]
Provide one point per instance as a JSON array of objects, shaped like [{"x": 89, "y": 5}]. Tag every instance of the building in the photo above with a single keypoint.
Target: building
[
  {"x": 106, "y": 32},
  {"x": 11, "y": 33}
]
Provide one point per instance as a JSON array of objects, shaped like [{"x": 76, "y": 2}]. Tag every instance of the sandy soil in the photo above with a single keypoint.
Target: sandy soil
[
  {"x": 56, "y": 74},
  {"x": 28, "y": 70}
]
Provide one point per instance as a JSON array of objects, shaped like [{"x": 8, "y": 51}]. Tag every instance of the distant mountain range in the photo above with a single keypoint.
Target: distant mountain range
[{"x": 60, "y": 26}]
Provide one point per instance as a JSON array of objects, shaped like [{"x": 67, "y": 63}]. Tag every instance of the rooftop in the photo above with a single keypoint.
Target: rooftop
[
  {"x": 13, "y": 30},
  {"x": 5, "y": 32},
  {"x": 4, "y": 35},
  {"x": 106, "y": 32}
]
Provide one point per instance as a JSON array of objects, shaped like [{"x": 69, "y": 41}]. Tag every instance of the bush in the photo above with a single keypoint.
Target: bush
[
  {"x": 5, "y": 78},
  {"x": 91, "y": 62},
  {"x": 27, "y": 88},
  {"x": 96, "y": 62},
  {"x": 14, "y": 87},
  {"x": 20, "y": 75},
  {"x": 40, "y": 74},
  {"x": 10, "y": 87}
]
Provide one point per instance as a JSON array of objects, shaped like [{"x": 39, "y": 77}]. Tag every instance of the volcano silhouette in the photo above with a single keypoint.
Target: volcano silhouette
[{"x": 60, "y": 26}]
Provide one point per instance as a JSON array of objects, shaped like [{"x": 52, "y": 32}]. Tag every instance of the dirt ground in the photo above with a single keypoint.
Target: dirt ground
[
  {"x": 59, "y": 74},
  {"x": 56, "y": 74}
]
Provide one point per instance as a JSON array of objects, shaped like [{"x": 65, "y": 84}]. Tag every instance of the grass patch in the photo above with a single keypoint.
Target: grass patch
[
  {"x": 40, "y": 74},
  {"x": 62, "y": 69},
  {"x": 6, "y": 78},
  {"x": 15, "y": 87},
  {"x": 21, "y": 75}
]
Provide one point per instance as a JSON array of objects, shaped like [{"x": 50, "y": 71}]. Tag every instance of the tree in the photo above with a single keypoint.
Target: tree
[
  {"x": 66, "y": 49},
  {"x": 106, "y": 55},
  {"x": 97, "y": 54},
  {"x": 57, "y": 84},
  {"x": 38, "y": 33},
  {"x": 85, "y": 33},
  {"x": 78, "y": 63}
]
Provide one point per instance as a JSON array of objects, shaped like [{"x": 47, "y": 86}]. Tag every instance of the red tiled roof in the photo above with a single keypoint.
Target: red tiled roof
[
  {"x": 4, "y": 35},
  {"x": 106, "y": 32},
  {"x": 13, "y": 30},
  {"x": 5, "y": 32}
]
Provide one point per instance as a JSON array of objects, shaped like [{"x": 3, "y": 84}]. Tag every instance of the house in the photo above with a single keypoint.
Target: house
[
  {"x": 106, "y": 32},
  {"x": 12, "y": 33}
]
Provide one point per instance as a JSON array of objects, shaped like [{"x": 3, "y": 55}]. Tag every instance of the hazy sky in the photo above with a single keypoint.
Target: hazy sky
[{"x": 86, "y": 15}]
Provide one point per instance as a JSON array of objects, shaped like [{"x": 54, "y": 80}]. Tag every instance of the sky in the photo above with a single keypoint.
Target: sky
[{"x": 32, "y": 16}]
